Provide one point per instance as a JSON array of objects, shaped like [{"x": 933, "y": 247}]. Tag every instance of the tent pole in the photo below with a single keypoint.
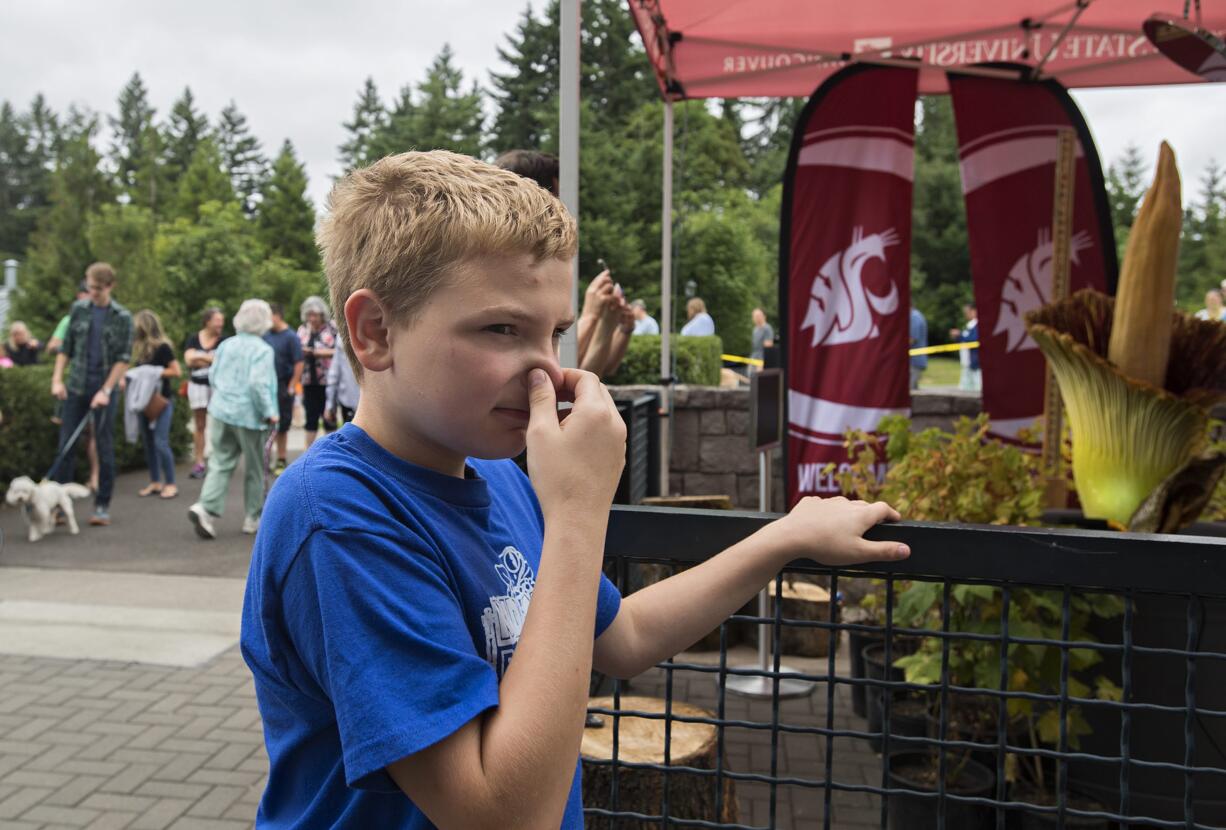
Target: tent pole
[
  {"x": 666, "y": 301},
  {"x": 568, "y": 151}
]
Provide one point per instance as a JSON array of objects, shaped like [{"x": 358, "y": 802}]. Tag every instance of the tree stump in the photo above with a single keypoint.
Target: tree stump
[
  {"x": 641, "y": 741},
  {"x": 804, "y": 601}
]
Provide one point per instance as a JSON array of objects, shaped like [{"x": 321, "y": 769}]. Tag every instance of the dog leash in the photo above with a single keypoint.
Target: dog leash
[
  {"x": 72, "y": 442},
  {"x": 268, "y": 445}
]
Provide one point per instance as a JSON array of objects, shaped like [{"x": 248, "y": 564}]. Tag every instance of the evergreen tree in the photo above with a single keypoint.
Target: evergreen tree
[
  {"x": 124, "y": 236},
  {"x": 767, "y": 129},
  {"x": 1126, "y": 182},
  {"x": 445, "y": 116},
  {"x": 128, "y": 144},
  {"x": 526, "y": 95},
  {"x": 59, "y": 251},
  {"x": 151, "y": 187},
  {"x": 940, "y": 256},
  {"x": 15, "y": 224},
  {"x": 1203, "y": 240},
  {"x": 204, "y": 181},
  {"x": 182, "y": 132},
  {"x": 286, "y": 219},
  {"x": 241, "y": 156},
  {"x": 207, "y": 260},
  {"x": 617, "y": 76},
  {"x": 43, "y": 132},
  {"x": 27, "y": 156},
  {"x": 398, "y": 132},
  {"x": 369, "y": 118}
]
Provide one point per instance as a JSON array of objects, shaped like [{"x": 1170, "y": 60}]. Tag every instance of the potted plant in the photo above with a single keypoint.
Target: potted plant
[{"x": 965, "y": 476}]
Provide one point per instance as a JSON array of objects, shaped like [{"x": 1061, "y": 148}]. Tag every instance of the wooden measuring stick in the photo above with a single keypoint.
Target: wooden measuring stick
[{"x": 1056, "y": 487}]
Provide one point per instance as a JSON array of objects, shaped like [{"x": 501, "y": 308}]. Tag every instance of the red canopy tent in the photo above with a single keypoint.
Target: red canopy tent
[
  {"x": 785, "y": 48},
  {"x": 778, "y": 48}
]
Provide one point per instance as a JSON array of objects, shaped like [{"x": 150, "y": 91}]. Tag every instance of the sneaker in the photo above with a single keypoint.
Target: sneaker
[
  {"x": 251, "y": 524},
  {"x": 202, "y": 521},
  {"x": 198, "y": 471},
  {"x": 279, "y": 467},
  {"x": 101, "y": 517}
]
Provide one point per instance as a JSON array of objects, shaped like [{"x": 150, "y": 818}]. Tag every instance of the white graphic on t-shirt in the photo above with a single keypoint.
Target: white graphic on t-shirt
[{"x": 503, "y": 619}]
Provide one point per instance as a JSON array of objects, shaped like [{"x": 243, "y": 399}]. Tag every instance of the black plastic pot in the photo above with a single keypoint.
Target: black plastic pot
[
  {"x": 1025, "y": 820},
  {"x": 905, "y": 719},
  {"x": 909, "y": 812},
  {"x": 856, "y": 641}
]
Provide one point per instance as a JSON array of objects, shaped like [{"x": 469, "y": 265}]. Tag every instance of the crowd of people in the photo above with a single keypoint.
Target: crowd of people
[{"x": 243, "y": 391}]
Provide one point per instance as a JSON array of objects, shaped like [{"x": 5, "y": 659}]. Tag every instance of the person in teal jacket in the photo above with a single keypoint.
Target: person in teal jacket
[{"x": 244, "y": 382}]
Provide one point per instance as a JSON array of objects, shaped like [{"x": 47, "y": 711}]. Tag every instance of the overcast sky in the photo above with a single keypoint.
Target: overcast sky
[{"x": 295, "y": 68}]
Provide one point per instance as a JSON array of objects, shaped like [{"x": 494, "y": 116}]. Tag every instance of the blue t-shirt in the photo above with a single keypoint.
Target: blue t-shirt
[
  {"x": 383, "y": 605},
  {"x": 287, "y": 349}
]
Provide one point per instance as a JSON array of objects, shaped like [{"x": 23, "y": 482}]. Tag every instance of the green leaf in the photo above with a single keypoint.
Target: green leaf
[{"x": 916, "y": 601}]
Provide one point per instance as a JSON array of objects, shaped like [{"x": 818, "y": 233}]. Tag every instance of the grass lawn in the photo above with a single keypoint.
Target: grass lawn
[{"x": 941, "y": 371}]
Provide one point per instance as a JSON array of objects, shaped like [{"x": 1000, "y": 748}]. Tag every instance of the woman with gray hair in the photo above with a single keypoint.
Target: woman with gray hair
[
  {"x": 318, "y": 337},
  {"x": 244, "y": 382}
]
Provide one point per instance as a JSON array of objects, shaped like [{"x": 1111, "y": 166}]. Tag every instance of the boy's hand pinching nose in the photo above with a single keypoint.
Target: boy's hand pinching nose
[{"x": 574, "y": 464}]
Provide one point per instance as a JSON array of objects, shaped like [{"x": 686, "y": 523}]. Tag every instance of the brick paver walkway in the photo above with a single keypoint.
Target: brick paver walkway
[{"x": 109, "y": 745}]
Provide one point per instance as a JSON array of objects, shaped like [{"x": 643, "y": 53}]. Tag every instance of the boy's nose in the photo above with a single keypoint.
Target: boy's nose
[{"x": 552, "y": 366}]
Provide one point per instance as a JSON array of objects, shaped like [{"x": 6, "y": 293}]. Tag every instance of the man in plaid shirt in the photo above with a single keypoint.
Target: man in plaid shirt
[{"x": 98, "y": 346}]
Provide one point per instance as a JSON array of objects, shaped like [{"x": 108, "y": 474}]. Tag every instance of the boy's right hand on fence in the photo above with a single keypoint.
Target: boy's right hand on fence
[
  {"x": 575, "y": 463},
  {"x": 831, "y": 531}
]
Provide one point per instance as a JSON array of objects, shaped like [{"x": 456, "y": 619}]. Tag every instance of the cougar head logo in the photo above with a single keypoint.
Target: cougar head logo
[
  {"x": 1028, "y": 286},
  {"x": 840, "y": 305}
]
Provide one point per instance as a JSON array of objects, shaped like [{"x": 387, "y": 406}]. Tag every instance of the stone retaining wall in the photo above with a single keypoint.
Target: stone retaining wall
[{"x": 710, "y": 444}]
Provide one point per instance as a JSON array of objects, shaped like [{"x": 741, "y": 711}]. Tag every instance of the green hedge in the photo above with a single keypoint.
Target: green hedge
[
  {"x": 697, "y": 360},
  {"x": 28, "y": 439}
]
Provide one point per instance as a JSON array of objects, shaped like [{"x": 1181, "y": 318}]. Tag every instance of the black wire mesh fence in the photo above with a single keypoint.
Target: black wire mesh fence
[{"x": 1000, "y": 677}]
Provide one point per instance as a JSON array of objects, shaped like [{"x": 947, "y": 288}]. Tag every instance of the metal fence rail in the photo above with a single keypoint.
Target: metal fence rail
[{"x": 1127, "y": 632}]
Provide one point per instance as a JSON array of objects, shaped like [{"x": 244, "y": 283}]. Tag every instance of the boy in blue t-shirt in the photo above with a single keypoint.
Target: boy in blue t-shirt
[{"x": 405, "y": 559}]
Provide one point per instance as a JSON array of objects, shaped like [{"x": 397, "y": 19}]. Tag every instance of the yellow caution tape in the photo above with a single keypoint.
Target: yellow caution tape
[
  {"x": 949, "y": 347},
  {"x": 732, "y": 358}
]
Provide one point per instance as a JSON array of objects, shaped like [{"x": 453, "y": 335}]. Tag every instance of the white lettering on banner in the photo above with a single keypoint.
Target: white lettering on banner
[
  {"x": 823, "y": 477},
  {"x": 840, "y": 305},
  {"x": 1076, "y": 47}
]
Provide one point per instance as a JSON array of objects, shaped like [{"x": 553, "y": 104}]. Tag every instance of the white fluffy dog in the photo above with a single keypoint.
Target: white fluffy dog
[{"x": 38, "y": 502}]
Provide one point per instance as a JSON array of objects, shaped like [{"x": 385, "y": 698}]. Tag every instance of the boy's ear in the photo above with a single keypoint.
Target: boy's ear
[{"x": 369, "y": 330}]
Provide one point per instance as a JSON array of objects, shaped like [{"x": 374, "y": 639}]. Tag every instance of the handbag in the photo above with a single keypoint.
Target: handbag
[{"x": 157, "y": 403}]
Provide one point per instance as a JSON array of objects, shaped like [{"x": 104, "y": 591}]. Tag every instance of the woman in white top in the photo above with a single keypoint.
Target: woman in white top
[
  {"x": 700, "y": 323},
  {"x": 1213, "y": 309}
]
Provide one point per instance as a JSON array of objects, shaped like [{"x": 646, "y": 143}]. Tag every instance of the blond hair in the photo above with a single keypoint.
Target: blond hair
[
  {"x": 401, "y": 225},
  {"x": 147, "y": 335},
  {"x": 695, "y": 306}
]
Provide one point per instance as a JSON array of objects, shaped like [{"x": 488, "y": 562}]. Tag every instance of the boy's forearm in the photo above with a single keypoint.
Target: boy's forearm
[
  {"x": 57, "y": 374},
  {"x": 530, "y": 744},
  {"x": 670, "y": 616}
]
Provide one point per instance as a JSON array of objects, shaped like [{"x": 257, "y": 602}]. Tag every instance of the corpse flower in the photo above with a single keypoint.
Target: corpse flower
[{"x": 1139, "y": 380}]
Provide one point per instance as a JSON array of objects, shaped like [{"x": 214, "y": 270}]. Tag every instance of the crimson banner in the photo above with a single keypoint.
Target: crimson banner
[
  {"x": 1007, "y": 137},
  {"x": 845, "y": 252}
]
